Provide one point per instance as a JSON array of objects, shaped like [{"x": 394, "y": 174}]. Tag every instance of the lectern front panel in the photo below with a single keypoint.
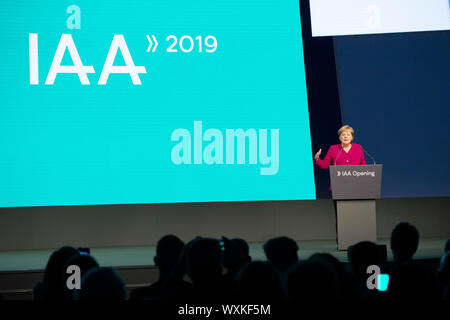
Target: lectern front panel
[{"x": 356, "y": 182}]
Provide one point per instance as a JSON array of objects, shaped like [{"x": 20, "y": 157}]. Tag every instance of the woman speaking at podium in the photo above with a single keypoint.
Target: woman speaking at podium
[{"x": 345, "y": 153}]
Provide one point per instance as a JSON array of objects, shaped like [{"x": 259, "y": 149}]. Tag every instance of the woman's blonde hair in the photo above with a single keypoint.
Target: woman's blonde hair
[{"x": 345, "y": 128}]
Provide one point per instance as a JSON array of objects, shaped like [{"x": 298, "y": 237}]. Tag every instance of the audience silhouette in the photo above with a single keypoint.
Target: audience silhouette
[
  {"x": 169, "y": 285},
  {"x": 243, "y": 245},
  {"x": 404, "y": 242},
  {"x": 204, "y": 268},
  {"x": 235, "y": 255},
  {"x": 447, "y": 246},
  {"x": 281, "y": 252},
  {"x": 260, "y": 281},
  {"x": 102, "y": 284},
  {"x": 85, "y": 263},
  {"x": 213, "y": 270},
  {"x": 361, "y": 256},
  {"x": 346, "y": 283},
  {"x": 410, "y": 281},
  {"x": 53, "y": 286},
  {"x": 312, "y": 281},
  {"x": 443, "y": 276}
]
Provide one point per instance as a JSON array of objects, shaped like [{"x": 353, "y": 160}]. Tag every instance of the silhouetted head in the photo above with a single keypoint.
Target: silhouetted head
[
  {"x": 312, "y": 280},
  {"x": 203, "y": 261},
  {"x": 410, "y": 281},
  {"x": 281, "y": 252},
  {"x": 260, "y": 281},
  {"x": 234, "y": 255},
  {"x": 444, "y": 269},
  {"x": 54, "y": 285},
  {"x": 102, "y": 284},
  {"x": 346, "y": 284},
  {"x": 180, "y": 268},
  {"x": 447, "y": 246},
  {"x": 241, "y": 243},
  {"x": 362, "y": 255},
  {"x": 404, "y": 241},
  {"x": 85, "y": 263},
  {"x": 444, "y": 276},
  {"x": 168, "y": 251}
]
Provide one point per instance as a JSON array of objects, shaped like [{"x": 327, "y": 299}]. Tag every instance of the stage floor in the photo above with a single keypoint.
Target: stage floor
[{"x": 143, "y": 256}]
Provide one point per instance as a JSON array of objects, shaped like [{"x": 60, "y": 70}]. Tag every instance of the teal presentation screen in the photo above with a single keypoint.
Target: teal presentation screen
[{"x": 155, "y": 101}]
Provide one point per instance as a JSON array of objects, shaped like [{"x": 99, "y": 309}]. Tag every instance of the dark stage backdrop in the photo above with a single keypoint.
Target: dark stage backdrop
[{"x": 395, "y": 92}]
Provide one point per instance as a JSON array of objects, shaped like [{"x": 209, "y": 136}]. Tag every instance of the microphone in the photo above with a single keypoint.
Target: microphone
[
  {"x": 374, "y": 163},
  {"x": 337, "y": 155}
]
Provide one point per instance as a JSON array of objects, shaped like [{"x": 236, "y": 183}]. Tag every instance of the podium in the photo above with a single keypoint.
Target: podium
[{"x": 355, "y": 189}]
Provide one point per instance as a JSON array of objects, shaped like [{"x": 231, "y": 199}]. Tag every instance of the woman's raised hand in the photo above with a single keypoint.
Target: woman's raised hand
[{"x": 317, "y": 154}]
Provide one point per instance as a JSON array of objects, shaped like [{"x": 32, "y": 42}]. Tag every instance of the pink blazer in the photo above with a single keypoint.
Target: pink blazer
[{"x": 354, "y": 156}]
